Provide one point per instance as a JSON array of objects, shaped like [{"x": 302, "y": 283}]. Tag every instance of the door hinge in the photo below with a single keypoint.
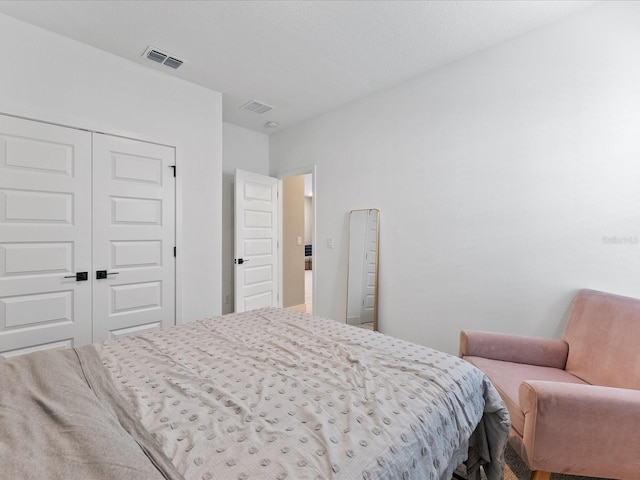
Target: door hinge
[
  {"x": 174, "y": 251},
  {"x": 174, "y": 169}
]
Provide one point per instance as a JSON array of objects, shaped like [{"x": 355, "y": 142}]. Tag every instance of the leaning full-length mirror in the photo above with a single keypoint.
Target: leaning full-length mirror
[{"x": 362, "y": 282}]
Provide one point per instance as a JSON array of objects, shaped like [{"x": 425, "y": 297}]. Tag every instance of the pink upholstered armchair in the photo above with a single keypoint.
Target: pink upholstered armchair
[{"x": 574, "y": 403}]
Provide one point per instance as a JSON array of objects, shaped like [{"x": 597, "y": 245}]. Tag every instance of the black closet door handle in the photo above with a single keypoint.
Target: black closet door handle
[
  {"x": 101, "y": 274},
  {"x": 80, "y": 276}
]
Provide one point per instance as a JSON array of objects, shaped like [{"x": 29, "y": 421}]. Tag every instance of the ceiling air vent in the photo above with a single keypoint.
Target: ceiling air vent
[
  {"x": 173, "y": 62},
  {"x": 256, "y": 107},
  {"x": 157, "y": 55}
]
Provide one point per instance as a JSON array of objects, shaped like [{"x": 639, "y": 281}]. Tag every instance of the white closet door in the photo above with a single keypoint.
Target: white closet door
[
  {"x": 133, "y": 236},
  {"x": 45, "y": 236}
]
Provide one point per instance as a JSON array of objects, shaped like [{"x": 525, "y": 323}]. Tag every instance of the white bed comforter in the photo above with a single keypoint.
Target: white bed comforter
[{"x": 274, "y": 394}]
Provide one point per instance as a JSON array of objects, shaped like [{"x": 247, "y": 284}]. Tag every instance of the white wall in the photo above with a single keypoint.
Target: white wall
[
  {"x": 500, "y": 178},
  {"x": 52, "y": 78},
  {"x": 246, "y": 150}
]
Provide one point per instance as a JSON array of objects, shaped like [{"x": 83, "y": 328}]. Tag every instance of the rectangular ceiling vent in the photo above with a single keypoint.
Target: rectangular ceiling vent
[
  {"x": 157, "y": 55},
  {"x": 173, "y": 62},
  {"x": 256, "y": 107}
]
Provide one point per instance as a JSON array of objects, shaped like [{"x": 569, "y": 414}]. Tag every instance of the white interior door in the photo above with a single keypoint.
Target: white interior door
[
  {"x": 256, "y": 245},
  {"x": 133, "y": 236},
  {"x": 45, "y": 236}
]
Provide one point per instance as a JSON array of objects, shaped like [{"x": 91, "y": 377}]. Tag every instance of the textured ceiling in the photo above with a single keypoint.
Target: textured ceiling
[{"x": 302, "y": 57}]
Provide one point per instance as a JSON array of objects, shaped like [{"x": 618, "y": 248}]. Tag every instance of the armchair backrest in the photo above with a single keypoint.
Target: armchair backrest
[{"x": 603, "y": 333}]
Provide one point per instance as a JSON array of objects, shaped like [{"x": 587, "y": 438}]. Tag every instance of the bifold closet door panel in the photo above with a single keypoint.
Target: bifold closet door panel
[
  {"x": 133, "y": 236},
  {"x": 45, "y": 236}
]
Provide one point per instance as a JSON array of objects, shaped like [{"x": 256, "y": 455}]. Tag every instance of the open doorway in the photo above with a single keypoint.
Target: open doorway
[{"x": 297, "y": 242}]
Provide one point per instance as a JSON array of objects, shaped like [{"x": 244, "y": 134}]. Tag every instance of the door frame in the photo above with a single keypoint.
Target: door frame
[{"x": 309, "y": 169}]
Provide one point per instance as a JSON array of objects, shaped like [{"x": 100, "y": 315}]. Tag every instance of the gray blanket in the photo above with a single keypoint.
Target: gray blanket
[{"x": 54, "y": 425}]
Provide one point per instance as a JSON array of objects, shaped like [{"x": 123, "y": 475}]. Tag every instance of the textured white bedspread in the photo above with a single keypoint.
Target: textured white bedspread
[{"x": 274, "y": 394}]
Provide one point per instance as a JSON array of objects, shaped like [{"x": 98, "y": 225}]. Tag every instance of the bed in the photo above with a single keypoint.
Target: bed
[{"x": 266, "y": 394}]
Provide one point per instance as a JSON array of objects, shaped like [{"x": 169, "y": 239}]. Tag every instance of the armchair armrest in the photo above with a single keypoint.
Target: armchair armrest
[
  {"x": 581, "y": 429},
  {"x": 514, "y": 348}
]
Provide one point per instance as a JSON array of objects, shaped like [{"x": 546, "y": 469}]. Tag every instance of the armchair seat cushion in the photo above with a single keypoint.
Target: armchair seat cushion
[{"x": 507, "y": 377}]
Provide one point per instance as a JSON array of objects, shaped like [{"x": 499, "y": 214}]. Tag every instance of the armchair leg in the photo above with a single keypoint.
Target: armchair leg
[{"x": 540, "y": 475}]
